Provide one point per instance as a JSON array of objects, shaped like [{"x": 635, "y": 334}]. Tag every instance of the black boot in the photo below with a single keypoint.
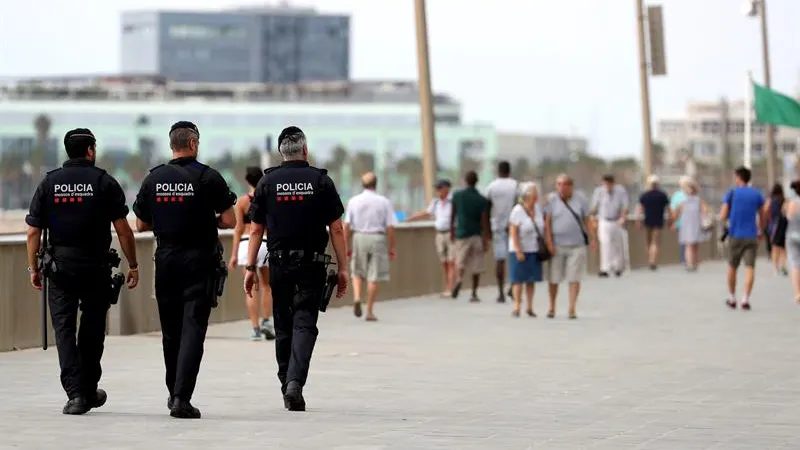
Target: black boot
[
  {"x": 293, "y": 398},
  {"x": 181, "y": 409},
  {"x": 76, "y": 406},
  {"x": 98, "y": 399}
]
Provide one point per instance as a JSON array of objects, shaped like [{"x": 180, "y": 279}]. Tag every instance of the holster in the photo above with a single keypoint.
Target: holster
[
  {"x": 117, "y": 279},
  {"x": 219, "y": 275},
  {"x": 331, "y": 280},
  {"x": 45, "y": 262}
]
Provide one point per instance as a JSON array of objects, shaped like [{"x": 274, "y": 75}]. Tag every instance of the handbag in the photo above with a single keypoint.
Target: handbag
[
  {"x": 543, "y": 253},
  {"x": 578, "y": 219}
]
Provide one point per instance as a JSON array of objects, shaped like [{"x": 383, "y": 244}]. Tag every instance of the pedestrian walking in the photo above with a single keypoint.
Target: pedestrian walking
[
  {"x": 241, "y": 237},
  {"x": 369, "y": 222},
  {"x": 691, "y": 211},
  {"x": 526, "y": 229},
  {"x": 75, "y": 205},
  {"x": 775, "y": 233},
  {"x": 184, "y": 202},
  {"x": 298, "y": 208},
  {"x": 653, "y": 206},
  {"x": 502, "y": 196},
  {"x": 675, "y": 200},
  {"x": 440, "y": 211},
  {"x": 742, "y": 208},
  {"x": 610, "y": 205},
  {"x": 791, "y": 210},
  {"x": 470, "y": 230},
  {"x": 569, "y": 231}
]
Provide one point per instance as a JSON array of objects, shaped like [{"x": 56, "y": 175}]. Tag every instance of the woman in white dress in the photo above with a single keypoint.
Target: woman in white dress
[
  {"x": 691, "y": 212},
  {"x": 239, "y": 258},
  {"x": 791, "y": 209}
]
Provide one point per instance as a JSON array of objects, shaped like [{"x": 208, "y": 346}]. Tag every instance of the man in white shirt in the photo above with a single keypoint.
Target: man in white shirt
[
  {"x": 371, "y": 219},
  {"x": 610, "y": 205},
  {"x": 502, "y": 196},
  {"x": 440, "y": 210}
]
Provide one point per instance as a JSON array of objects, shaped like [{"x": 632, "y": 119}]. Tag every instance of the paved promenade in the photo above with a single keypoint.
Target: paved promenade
[{"x": 654, "y": 362}]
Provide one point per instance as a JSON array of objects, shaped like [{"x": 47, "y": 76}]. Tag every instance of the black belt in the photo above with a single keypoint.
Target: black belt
[
  {"x": 299, "y": 256},
  {"x": 77, "y": 252},
  {"x": 442, "y": 231}
]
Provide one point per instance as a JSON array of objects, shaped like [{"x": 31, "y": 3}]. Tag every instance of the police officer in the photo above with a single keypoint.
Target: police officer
[
  {"x": 75, "y": 204},
  {"x": 184, "y": 202},
  {"x": 293, "y": 203}
]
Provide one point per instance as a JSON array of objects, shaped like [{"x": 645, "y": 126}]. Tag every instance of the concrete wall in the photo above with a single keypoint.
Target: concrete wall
[{"x": 414, "y": 272}]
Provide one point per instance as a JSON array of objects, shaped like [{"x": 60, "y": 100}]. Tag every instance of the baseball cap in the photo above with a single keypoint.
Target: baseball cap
[
  {"x": 442, "y": 184},
  {"x": 184, "y": 124},
  {"x": 288, "y": 131}
]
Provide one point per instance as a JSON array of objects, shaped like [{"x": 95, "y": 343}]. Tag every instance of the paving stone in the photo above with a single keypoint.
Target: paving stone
[{"x": 655, "y": 361}]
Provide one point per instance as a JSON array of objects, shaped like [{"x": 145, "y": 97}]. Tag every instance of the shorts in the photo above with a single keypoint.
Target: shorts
[
  {"x": 653, "y": 234},
  {"x": 500, "y": 244},
  {"x": 742, "y": 250},
  {"x": 261, "y": 260},
  {"x": 524, "y": 272},
  {"x": 568, "y": 264},
  {"x": 444, "y": 246},
  {"x": 470, "y": 255},
  {"x": 370, "y": 259}
]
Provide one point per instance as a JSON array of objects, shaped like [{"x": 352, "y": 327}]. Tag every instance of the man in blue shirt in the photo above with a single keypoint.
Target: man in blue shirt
[{"x": 742, "y": 206}]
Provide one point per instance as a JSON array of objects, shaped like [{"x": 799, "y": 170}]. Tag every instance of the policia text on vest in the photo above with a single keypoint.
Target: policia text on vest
[
  {"x": 71, "y": 211},
  {"x": 184, "y": 202},
  {"x": 293, "y": 204}
]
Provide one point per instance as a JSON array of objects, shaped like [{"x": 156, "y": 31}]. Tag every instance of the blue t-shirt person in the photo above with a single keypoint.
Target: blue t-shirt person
[{"x": 747, "y": 202}]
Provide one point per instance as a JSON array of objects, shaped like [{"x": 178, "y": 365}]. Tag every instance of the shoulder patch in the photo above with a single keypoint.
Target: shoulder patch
[
  {"x": 271, "y": 169},
  {"x": 156, "y": 167}
]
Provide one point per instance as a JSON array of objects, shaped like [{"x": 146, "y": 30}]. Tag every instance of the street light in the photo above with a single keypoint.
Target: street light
[{"x": 753, "y": 8}]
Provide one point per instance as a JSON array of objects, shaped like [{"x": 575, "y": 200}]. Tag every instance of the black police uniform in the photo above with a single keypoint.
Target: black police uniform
[
  {"x": 77, "y": 204},
  {"x": 295, "y": 202},
  {"x": 180, "y": 200}
]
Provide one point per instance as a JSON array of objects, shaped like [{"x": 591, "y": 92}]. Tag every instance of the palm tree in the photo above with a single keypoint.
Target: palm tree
[{"x": 361, "y": 163}]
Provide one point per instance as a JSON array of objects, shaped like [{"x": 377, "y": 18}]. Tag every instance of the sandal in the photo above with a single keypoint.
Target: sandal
[
  {"x": 551, "y": 314},
  {"x": 514, "y": 313},
  {"x": 530, "y": 313}
]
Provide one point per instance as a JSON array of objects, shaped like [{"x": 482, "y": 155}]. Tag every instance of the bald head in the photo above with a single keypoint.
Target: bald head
[
  {"x": 563, "y": 178},
  {"x": 369, "y": 180}
]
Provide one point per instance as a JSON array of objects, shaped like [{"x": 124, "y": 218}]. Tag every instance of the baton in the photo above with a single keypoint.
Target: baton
[{"x": 44, "y": 293}]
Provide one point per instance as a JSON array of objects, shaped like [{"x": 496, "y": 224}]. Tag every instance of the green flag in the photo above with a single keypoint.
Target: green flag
[{"x": 774, "y": 108}]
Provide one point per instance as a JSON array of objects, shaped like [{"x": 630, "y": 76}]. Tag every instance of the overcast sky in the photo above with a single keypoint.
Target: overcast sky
[{"x": 524, "y": 65}]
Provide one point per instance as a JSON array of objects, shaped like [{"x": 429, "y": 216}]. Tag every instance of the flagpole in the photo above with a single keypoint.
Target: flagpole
[{"x": 748, "y": 121}]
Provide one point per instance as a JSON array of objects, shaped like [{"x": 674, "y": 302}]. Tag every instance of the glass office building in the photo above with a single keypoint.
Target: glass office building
[
  {"x": 266, "y": 45},
  {"x": 351, "y": 128}
]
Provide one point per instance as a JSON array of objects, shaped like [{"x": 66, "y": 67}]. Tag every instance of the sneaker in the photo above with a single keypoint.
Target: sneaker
[
  {"x": 474, "y": 299},
  {"x": 653, "y": 267},
  {"x": 501, "y": 298},
  {"x": 357, "y": 309},
  {"x": 731, "y": 303},
  {"x": 267, "y": 329},
  {"x": 603, "y": 274},
  {"x": 255, "y": 335},
  {"x": 618, "y": 274},
  {"x": 746, "y": 306}
]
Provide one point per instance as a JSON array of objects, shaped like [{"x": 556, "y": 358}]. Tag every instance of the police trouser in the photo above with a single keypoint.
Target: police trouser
[
  {"x": 296, "y": 294},
  {"x": 72, "y": 288},
  {"x": 184, "y": 306}
]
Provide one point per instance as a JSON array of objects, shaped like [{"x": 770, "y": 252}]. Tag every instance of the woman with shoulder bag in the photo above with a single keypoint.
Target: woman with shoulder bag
[{"x": 525, "y": 243}]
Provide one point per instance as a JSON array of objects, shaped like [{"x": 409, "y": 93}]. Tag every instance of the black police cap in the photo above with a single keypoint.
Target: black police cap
[
  {"x": 184, "y": 124},
  {"x": 288, "y": 131}
]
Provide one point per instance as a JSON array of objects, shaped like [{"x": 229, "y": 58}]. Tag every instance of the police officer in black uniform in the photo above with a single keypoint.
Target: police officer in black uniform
[
  {"x": 184, "y": 202},
  {"x": 75, "y": 205},
  {"x": 293, "y": 203}
]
